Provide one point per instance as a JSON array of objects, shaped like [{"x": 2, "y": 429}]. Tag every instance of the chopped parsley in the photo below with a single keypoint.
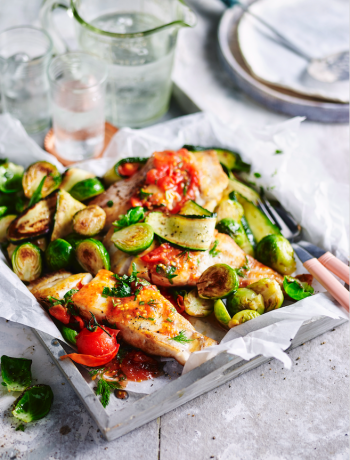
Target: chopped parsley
[
  {"x": 169, "y": 272},
  {"x": 123, "y": 287},
  {"x": 256, "y": 174},
  {"x": 93, "y": 372},
  {"x": 181, "y": 338},
  {"x": 240, "y": 271},
  {"x": 169, "y": 320},
  {"x": 65, "y": 302},
  {"x": 185, "y": 253},
  {"x": 133, "y": 216},
  {"x": 141, "y": 302},
  {"x": 110, "y": 203},
  {"x": 184, "y": 192},
  {"x": 105, "y": 388},
  {"x": 20, "y": 427},
  {"x": 213, "y": 251},
  {"x": 274, "y": 173},
  {"x": 149, "y": 318},
  {"x": 278, "y": 152},
  {"x": 144, "y": 195}
]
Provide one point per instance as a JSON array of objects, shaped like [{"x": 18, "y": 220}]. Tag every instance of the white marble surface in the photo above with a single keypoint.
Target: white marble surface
[{"x": 268, "y": 413}]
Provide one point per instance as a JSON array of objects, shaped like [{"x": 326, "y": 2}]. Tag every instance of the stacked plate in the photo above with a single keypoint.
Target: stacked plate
[{"x": 276, "y": 76}]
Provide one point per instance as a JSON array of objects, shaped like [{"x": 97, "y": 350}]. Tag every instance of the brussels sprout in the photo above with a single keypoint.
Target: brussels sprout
[
  {"x": 87, "y": 189},
  {"x": 74, "y": 239},
  {"x": 271, "y": 292},
  {"x": 242, "y": 317},
  {"x": 72, "y": 176},
  {"x": 111, "y": 176},
  {"x": 4, "y": 225},
  {"x": 89, "y": 221},
  {"x": 229, "y": 209},
  {"x": 276, "y": 252},
  {"x": 217, "y": 282},
  {"x": 221, "y": 313},
  {"x": 14, "y": 202},
  {"x": 59, "y": 254},
  {"x": 237, "y": 233},
  {"x": 69, "y": 335},
  {"x": 27, "y": 262},
  {"x": 33, "y": 404},
  {"x": 245, "y": 299},
  {"x": 34, "y": 175},
  {"x": 92, "y": 256},
  {"x": 133, "y": 239},
  {"x": 66, "y": 208},
  {"x": 195, "y": 306},
  {"x": 16, "y": 373},
  {"x": 10, "y": 249},
  {"x": 297, "y": 289},
  {"x": 10, "y": 177}
]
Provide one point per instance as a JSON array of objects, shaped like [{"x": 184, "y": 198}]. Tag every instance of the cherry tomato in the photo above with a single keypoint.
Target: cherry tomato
[
  {"x": 97, "y": 343},
  {"x": 61, "y": 313},
  {"x": 163, "y": 254},
  {"x": 128, "y": 169}
]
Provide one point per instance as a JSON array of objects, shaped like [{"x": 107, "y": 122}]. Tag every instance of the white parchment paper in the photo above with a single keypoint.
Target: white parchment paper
[{"x": 301, "y": 184}]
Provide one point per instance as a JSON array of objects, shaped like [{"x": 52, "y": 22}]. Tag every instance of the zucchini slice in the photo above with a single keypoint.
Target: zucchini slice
[
  {"x": 58, "y": 255},
  {"x": 89, "y": 221},
  {"x": 229, "y": 209},
  {"x": 217, "y": 282},
  {"x": 192, "y": 232},
  {"x": 10, "y": 177},
  {"x": 34, "y": 175},
  {"x": 92, "y": 256},
  {"x": 35, "y": 221},
  {"x": 72, "y": 176},
  {"x": 27, "y": 262},
  {"x": 66, "y": 208},
  {"x": 5, "y": 222},
  {"x": 243, "y": 190},
  {"x": 258, "y": 223},
  {"x": 191, "y": 208},
  {"x": 133, "y": 239},
  {"x": 86, "y": 189},
  {"x": 236, "y": 231},
  {"x": 195, "y": 306}
]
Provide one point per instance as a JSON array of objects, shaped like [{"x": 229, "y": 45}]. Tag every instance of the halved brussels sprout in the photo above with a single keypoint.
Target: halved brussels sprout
[
  {"x": 59, "y": 254},
  {"x": 27, "y": 262},
  {"x": 229, "y": 209},
  {"x": 245, "y": 299},
  {"x": 74, "y": 239},
  {"x": 34, "y": 175},
  {"x": 66, "y": 208},
  {"x": 133, "y": 239},
  {"x": 10, "y": 177},
  {"x": 297, "y": 289},
  {"x": 16, "y": 373},
  {"x": 276, "y": 252},
  {"x": 69, "y": 335},
  {"x": 195, "y": 306},
  {"x": 237, "y": 233},
  {"x": 33, "y": 404},
  {"x": 92, "y": 256},
  {"x": 89, "y": 221},
  {"x": 5, "y": 222},
  {"x": 72, "y": 176},
  {"x": 221, "y": 313},
  {"x": 271, "y": 292},
  {"x": 217, "y": 282},
  {"x": 86, "y": 189},
  {"x": 242, "y": 317}
]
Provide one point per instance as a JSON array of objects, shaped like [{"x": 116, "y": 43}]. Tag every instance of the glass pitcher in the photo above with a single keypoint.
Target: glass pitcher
[{"x": 137, "y": 39}]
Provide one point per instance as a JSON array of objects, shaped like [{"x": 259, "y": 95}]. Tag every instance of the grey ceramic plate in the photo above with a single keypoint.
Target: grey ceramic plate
[{"x": 272, "y": 97}]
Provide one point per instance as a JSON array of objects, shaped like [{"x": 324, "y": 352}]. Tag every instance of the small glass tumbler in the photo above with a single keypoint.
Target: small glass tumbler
[
  {"x": 78, "y": 83},
  {"x": 24, "y": 84}
]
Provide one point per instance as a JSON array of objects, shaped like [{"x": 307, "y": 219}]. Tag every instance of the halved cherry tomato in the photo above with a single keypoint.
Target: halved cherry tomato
[
  {"x": 97, "y": 343},
  {"x": 91, "y": 361},
  {"x": 61, "y": 313},
  {"x": 134, "y": 201},
  {"x": 128, "y": 169}
]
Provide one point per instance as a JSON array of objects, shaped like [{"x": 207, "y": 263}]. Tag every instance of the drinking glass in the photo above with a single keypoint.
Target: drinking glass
[
  {"x": 77, "y": 83},
  {"x": 24, "y": 85}
]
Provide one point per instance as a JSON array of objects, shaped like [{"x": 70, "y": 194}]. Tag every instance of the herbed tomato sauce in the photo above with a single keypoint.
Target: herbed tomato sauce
[{"x": 173, "y": 181}]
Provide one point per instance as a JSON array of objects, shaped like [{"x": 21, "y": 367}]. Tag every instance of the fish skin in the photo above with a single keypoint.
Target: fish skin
[
  {"x": 131, "y": 318},
  {"x": 211, "y": 186}
]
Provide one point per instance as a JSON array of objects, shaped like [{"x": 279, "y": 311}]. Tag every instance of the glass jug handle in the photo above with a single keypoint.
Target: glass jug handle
[{"x": 47, "y": 23}]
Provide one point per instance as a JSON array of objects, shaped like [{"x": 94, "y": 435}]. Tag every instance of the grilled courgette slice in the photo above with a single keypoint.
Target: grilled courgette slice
[{"x": 191, "y": 208}]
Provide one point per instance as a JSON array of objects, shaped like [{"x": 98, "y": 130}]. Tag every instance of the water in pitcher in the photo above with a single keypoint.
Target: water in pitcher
[{"x": 139, "y": 82}]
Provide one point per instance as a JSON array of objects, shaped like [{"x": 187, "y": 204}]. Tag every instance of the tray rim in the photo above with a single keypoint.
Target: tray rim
[{"x": 327, "y": 112}]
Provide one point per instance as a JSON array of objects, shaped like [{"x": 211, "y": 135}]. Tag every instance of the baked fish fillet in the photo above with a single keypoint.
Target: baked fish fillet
[
  {"x": 191, "y": 264},
  {"x": 212, "y": 183},
  {"x": 57, "y": 284},
  {"x": 150, "y": 322}
]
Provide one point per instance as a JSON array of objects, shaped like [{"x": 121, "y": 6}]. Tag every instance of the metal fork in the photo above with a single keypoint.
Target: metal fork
[{"x": 313, "y": 258}]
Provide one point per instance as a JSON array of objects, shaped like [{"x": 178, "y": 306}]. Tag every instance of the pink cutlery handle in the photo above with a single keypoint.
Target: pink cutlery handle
[
  {"x": 328, "y": 281},
  {"x": 336, "y": 266}
]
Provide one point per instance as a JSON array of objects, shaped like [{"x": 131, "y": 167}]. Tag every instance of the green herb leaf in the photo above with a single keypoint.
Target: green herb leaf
[
  {"x": 104, "y": 388},
  {"x": 181, "y": 338},
  {"x": 110, "y": 203},
  {"x": 20, "y": 427},
  {"x": 185, "y": 253},
  {"x": 37, "y": 195},
  {"x": 213, "y": 251},
  {"x": 296, "y": 289},
  {"x": 144, "y": 195},
  {"x": 168, "y": 271},
  {"x": 278, "y": 152},
  {"x": 133, "y": 216},
  {"x": 256, "y": 174}
]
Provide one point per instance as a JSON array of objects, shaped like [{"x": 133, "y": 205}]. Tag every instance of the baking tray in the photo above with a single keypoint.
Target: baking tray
[
  {"x": 277, "y": 99},
  {"x": 121, "y": 416}
]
